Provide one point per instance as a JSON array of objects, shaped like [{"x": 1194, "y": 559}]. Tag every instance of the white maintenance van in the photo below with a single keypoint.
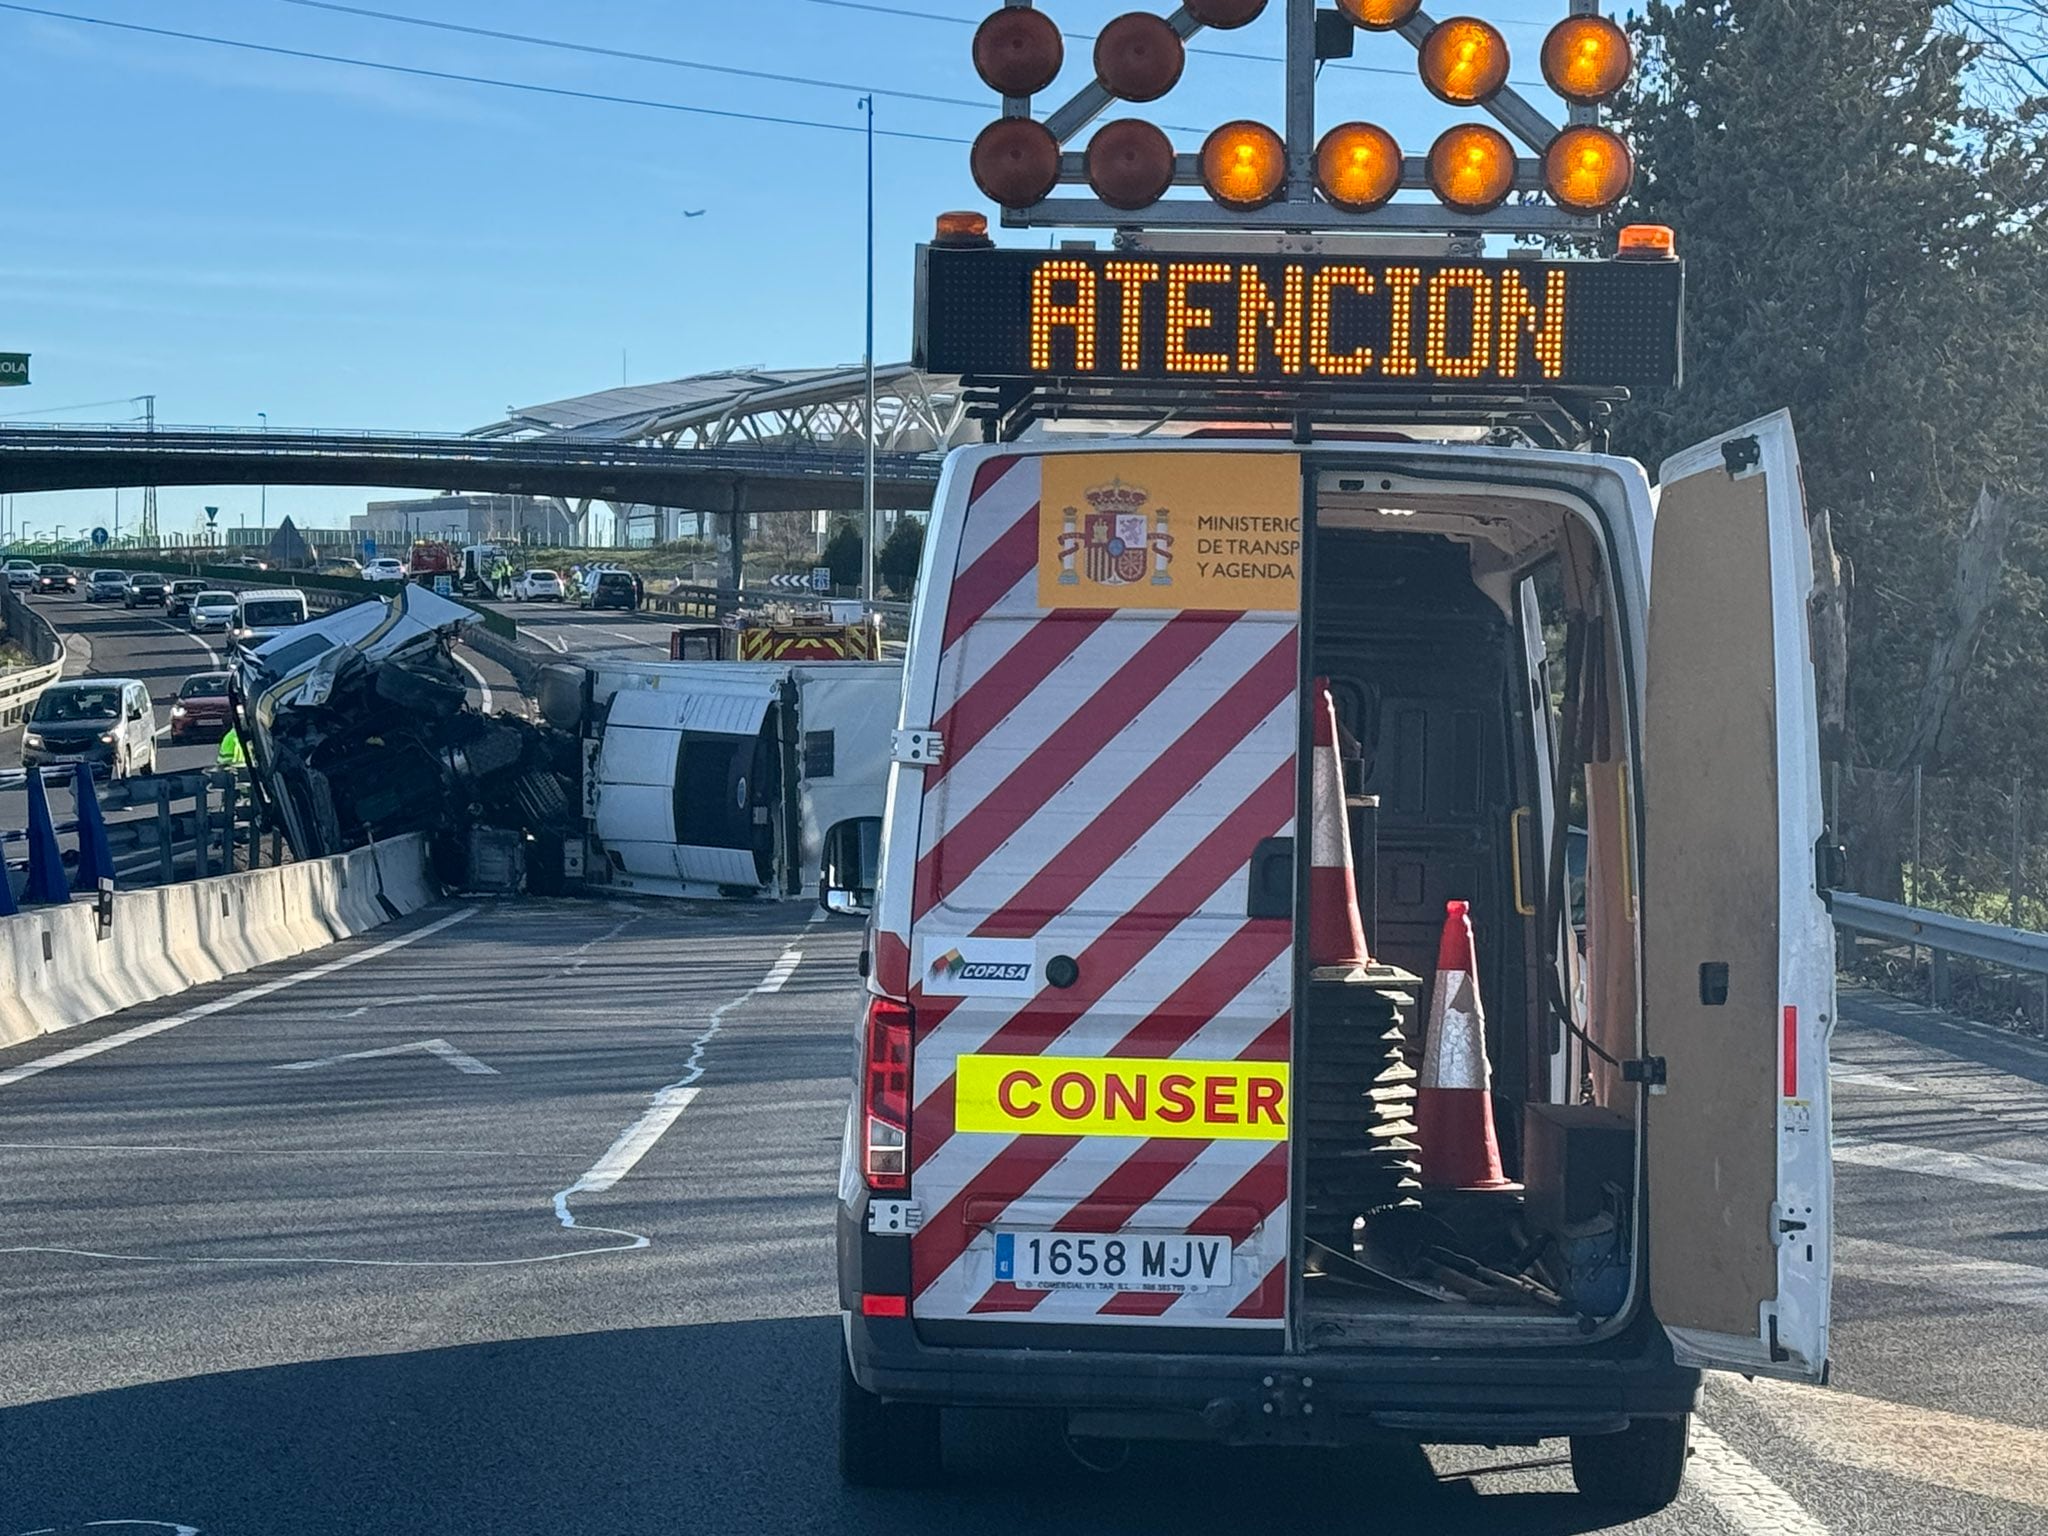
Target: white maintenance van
[{"x": 1366, "y": 588}]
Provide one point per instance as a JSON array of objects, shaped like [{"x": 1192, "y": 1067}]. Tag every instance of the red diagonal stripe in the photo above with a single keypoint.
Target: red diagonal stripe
[
  {"x": 1068, "y": 747},
  {"x": 1012, "y": 557},
  {"x": 945, "y": 1236},
  {"x": 1184, "y": 763},
  {"x": 1207, "y": 867},
  {"x": 1209, "y": 990},
  {"x": 1006, "y": 684},
  {"x": 1269, "y": 1298},
  {"x": 989, "y": 473}
]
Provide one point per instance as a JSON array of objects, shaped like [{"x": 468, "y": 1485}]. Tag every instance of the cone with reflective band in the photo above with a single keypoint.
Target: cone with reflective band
[
  {"x": 1336, "y": 936},
  {"x": 1454, "y": 1107}
]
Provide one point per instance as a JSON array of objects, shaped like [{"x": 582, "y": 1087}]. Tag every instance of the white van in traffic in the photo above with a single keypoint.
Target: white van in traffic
[
  {"x": 1109, "y": 1153},
  {"x": 261, "y": 615}
]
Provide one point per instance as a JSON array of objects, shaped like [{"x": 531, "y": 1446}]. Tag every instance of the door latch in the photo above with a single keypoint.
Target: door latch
[{"x": 1647, "y": 1070}]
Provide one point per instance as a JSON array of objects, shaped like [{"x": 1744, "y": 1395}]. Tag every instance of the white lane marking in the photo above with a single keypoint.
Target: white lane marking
[
  {"x": 1747, "y": 1499},
  {"x": 580, "y": 956},
  {"x": 461, "y": 1061},
  {"x": 78, "y": 1053},
  {"x": 1980, "y": 1457},
  {"x": 1851, "y": 1077},
  {"x": 815, "y": 918},
  {"x": 666, "y": 1108},
  {"x": 548, "y": 640},
  {"x": 664, "y": 1099},
  {"x": 203, "y": 644},
  {"x": 1998, "y": 1282},
  {"x": 782, "y": 971},
  {"x": 490, "y": 707},
  {"x": 1940, "y": 1163}
]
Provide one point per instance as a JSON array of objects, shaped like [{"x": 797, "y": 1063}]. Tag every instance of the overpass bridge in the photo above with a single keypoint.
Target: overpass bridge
[{"x": 781, "y": 477}]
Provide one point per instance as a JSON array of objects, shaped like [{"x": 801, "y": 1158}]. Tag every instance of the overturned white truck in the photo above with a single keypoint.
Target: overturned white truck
[
  {"x": 729, "y": 779},
  {"x": 719, "y": 780}
]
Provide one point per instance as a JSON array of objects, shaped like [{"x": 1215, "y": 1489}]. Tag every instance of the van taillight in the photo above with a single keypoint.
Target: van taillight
[{"x": 885, "y": 1091}]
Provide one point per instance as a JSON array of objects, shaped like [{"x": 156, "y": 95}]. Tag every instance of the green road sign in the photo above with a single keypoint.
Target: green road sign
[{"x": 13, "y": 368}]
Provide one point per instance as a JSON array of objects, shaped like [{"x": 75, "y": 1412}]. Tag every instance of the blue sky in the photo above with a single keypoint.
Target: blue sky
[{"x": 239, "y": 232}]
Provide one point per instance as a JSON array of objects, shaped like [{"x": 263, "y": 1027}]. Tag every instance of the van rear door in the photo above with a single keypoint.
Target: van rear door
[
  {"x": 1738, "y": 950},
  {"x": 1100, "y": 1073}
]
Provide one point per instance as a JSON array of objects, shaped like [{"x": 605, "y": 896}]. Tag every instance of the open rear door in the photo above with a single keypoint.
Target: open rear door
[{"x": 1737, "y": 944}]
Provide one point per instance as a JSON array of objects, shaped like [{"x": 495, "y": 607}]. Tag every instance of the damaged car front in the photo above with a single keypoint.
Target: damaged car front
[{"x": 358, "y": 727}]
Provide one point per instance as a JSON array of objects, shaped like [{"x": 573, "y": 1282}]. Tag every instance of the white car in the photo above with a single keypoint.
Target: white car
[
  {"x": 384, "y": 568},
  {"x": 213, "y": 610},
  {"x": 21, "y": 573},
  {"x": 537, "y": 587}
]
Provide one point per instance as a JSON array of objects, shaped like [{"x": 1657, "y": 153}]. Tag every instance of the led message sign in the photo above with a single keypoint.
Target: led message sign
[{"x": 1109, "y": 317}]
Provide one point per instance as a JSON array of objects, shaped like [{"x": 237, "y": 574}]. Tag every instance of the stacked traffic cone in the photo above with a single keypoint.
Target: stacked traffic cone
[
  {"x": 1336, "y": 936},
  {"x": 1455, "y": 1108},
  {"x": 1358, "y": 1089}
]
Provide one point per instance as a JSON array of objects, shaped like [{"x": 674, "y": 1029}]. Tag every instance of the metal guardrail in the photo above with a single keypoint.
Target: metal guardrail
[
  {"x": 2016, "y": 949},
  {"x": 21, "y": 686},
  {"x": 205, "y": 823}
]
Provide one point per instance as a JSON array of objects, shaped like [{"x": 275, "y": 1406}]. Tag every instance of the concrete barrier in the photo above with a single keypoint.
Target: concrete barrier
[{"x": 57, "y": 969}]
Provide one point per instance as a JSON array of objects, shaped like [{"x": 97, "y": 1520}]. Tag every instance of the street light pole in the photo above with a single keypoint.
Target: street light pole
[
  {"x": 263, "y": 502},
  {"x": 869, "y": 564}
]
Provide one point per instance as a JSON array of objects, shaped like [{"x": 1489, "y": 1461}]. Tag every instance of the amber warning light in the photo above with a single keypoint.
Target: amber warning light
[{"x": 1112, "y": 318}]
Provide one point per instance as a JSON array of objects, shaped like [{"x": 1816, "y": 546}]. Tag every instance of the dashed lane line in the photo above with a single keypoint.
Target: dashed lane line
[
  {"x": 784, "y": 968},
  {"x": 667, "y": 1107}
]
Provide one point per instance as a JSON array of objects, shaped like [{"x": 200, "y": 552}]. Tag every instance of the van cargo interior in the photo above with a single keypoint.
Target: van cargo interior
[{"x": 1467, "y": 646}]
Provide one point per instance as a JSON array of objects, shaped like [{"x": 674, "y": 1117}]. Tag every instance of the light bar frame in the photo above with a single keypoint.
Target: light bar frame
[{"x": 1300, "y": 207}]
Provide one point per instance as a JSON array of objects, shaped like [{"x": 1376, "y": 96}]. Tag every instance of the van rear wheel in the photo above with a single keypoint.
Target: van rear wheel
[
  {"x": 884, "y": 1444},
  {"x": 1640, "y": 1469}
]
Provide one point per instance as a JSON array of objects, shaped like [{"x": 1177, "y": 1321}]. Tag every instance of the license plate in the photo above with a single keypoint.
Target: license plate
[{"x": 1087, "y": 1261}]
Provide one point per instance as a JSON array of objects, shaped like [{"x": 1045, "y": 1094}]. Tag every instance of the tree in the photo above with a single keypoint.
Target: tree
[
  {"x": 843, "y": 554},
  {"x": 1865, "y": 245},
  {"x": 901, "y": 552}
]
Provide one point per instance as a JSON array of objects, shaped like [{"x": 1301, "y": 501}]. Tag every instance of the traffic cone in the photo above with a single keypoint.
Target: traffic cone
[
  {"x": 95, "y": 858},
  {"x": 1454, "y": 1107},
  {"x": 1336, "y": 936},
  {"x": 46, "y": 879}
]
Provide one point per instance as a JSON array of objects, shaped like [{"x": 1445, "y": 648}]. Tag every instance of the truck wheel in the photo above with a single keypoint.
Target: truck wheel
[
  {"x": 1640, "y": 1469},
  {"x": 881, "y": 1444}
]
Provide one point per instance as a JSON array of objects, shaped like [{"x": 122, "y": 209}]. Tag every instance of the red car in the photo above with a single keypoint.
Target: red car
[{"x": 201, "y": 712}]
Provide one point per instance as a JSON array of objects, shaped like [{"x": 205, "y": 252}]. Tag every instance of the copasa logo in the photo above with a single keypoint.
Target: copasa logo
[{"x": 956, "y": 967}]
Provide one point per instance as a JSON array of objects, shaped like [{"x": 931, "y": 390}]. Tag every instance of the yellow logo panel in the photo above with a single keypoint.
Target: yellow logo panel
[
  {"x": 1204, "y": 531},
  {"x": 1122, "y": 1096}
]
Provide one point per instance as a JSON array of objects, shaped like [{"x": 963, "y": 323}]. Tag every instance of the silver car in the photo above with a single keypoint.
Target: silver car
[{"x": 213, "y": 610}]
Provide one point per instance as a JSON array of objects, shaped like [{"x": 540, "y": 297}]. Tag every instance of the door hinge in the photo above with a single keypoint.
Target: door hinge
[
  {"x": 917, "y": 748},
  {"x": 1647, "y": 1070}
]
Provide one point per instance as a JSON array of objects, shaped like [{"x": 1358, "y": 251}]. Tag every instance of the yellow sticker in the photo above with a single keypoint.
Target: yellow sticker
[
  {"x": 1201, "y": 531},
  {"x": 1122, "y": 1096}
]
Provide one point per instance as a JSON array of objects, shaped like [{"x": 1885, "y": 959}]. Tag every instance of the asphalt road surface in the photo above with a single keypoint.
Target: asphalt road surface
[
  {"x": 377, "y": 1252},
  {"x": 606, "y": 634}
]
